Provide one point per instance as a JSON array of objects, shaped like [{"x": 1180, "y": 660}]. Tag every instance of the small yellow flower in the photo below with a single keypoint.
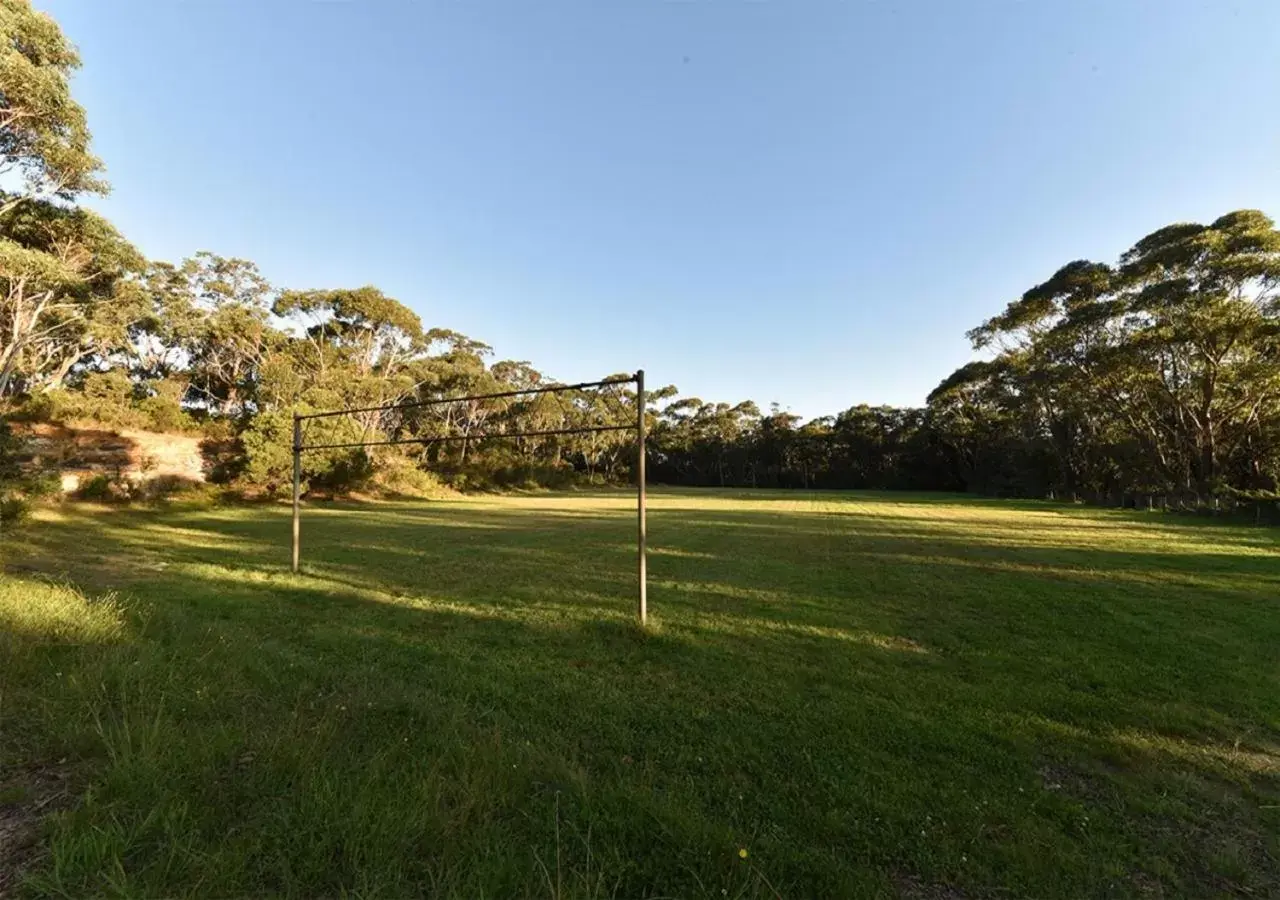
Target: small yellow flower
[{"x": 742, "y": 853}]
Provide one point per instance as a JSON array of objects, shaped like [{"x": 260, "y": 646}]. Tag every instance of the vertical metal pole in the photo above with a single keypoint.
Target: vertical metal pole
[
  {"x": 297, "y": 489},
  {"x": 642, "y": 536}
]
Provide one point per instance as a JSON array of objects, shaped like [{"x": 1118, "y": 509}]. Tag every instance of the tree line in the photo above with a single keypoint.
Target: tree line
[{"x": 1157, "y": 375}]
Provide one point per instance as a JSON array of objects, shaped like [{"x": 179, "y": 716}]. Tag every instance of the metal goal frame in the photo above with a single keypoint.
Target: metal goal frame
[{"x": 638, "y": 427}]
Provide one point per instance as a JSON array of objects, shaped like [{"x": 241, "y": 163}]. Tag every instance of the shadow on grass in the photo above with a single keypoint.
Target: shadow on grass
[{"x": 851, "y": 696}]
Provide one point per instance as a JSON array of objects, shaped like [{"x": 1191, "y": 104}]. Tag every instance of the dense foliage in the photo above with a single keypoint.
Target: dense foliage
[{"x": 1159, "y": 375}]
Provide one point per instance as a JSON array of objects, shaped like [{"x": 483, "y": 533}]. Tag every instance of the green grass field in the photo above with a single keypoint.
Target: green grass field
[{"x": 840, "y": 695}]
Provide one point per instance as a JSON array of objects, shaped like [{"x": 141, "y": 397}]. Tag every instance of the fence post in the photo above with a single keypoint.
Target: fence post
[
  {"x": 297, "y": 488},
  {"x": 641, "y": 535}
]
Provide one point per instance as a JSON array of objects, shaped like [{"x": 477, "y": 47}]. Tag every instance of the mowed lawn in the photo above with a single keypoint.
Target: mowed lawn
[{"x": 840, "y": 695}]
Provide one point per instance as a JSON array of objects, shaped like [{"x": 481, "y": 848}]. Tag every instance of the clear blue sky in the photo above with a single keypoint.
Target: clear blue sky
[{"x": 791, "y": 201}]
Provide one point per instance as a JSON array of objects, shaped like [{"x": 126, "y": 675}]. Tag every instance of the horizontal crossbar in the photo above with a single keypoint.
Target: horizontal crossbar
[
  {"x": 413, "y": 404},
  {"x": 470, "y": 437}
]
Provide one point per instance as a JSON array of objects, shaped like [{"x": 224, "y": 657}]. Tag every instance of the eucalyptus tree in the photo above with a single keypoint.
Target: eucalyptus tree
[
  {"x": 1158, "y": 373},
  {"x": 68, "y": 292},
  {"x": 1201, "y": 336},
  {"x": 44, "y": 135}
]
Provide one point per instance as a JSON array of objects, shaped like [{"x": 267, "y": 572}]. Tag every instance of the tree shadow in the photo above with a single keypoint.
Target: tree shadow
[{"x": 809, "y": 687}]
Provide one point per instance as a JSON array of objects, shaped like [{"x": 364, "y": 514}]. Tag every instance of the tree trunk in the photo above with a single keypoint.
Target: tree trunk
[{"x": 59, "y": 376}]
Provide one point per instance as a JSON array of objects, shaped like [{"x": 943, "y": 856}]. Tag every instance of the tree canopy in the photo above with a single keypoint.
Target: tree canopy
[
  {"x": 1157, "y": 373},
  {"x": 44, "y": 134}
]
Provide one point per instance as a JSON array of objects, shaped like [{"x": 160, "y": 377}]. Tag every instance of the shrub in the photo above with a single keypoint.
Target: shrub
[
  {"x": 218, "y": 431},
  {"x": 11, "y": 448},
  {"x": 396, "y": 475},
  {"x": 268, "y": 454},
  {"x": 223, "y": 459},
  {"x": 96, "y": 488},
  {"x": 44, "y": 407},
  {"x": 41, "y": 485},
  {"x": 349, "y": 471},
  {"x": 161, "y": 413},
  {"x": 105, "y": 489},
  {"x": 107, "y": 397},
  {"x": 13, "y": 510},
  {"x": 113, "y": 399}
]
